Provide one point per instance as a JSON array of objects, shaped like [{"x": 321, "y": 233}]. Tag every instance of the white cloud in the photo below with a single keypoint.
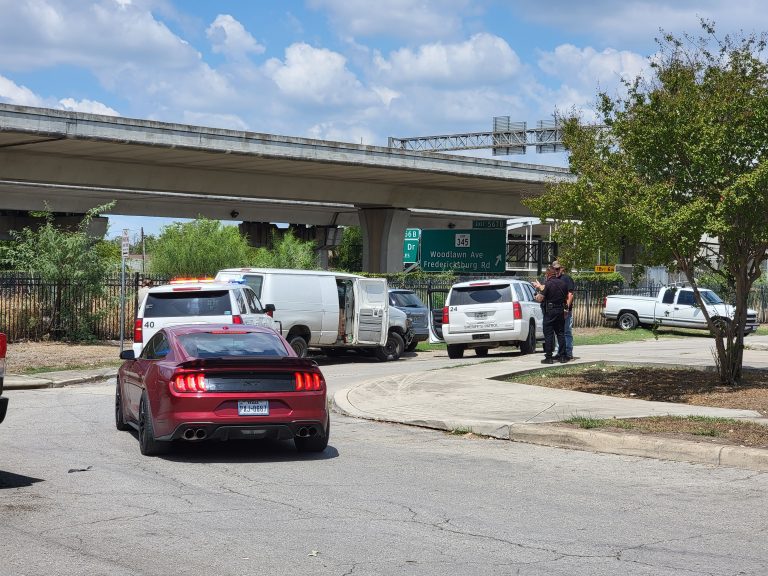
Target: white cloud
[
  {"x": 317, "y": 75},
  {"x": 338, "y": 132},
  {"x": 415, "y": 19},
  {"x": 483, "y": 58},
  {"x": 88, "y": 106},
  {"x": 591, "y": 70},
  {"x": 12, "y": 93},
  {"x": 230, "y": 121},
  {"x": 229, "y": 37},
  {"x": 639, "y": 20},
  {"x": 96, "y": 35}
]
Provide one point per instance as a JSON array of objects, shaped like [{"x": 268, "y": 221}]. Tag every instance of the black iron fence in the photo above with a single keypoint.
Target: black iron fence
[{"x": 31, "y": 309}]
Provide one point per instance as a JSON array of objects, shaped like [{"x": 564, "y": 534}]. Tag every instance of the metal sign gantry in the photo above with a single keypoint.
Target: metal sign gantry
[{"x": 506, "y": 138}]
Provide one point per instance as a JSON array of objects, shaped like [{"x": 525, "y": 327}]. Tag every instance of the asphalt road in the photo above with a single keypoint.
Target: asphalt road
[{"x": 77, "y": 498}]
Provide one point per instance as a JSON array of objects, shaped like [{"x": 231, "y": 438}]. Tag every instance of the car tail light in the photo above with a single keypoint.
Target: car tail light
[
  {"x": 237, "y": 319},
  {"x": 188, "y": 382},
  {"x": 270, "y": 313},
  {"x": 605, "y": 301},
  {"x": 138, "y": 331},
  {"x": 446, "y": 319},
  {"x": 518, "y": 311},
  {"x": 308, "y": 381}
]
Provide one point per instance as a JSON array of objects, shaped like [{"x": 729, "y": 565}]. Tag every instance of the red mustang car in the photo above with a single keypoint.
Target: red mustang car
[{"x": 221, "y": 381}]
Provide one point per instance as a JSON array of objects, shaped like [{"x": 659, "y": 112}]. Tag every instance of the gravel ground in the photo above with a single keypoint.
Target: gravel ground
[{"x": 25, "y": 357}]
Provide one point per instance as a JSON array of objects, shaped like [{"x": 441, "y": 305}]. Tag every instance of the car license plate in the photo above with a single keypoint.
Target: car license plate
[{"x": 253, "y": 408}]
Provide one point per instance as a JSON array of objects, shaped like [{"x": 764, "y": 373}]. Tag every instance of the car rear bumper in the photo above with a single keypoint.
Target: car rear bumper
[
  {"x": 291, "y": 410},
  {"x": 193, "y": 431}
]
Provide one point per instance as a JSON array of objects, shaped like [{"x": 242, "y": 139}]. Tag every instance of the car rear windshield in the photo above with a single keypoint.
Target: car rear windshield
[
  {"x": 406, "y": 300},
  {"x": 219, "y": 345},
  {"x": 481, "y": 295},
  {"x": 174, "y": 304}
]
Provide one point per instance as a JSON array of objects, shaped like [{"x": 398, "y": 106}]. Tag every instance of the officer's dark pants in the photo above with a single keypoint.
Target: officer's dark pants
[{"x": 554, "y": 327}]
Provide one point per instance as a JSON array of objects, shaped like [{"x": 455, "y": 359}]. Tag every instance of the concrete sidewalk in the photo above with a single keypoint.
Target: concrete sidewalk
[{"x": 478, "y": 398}]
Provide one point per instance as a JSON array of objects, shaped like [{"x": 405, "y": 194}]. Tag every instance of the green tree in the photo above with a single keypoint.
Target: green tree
[
  {"x": 349, "y": 254},
  {"x": 682, "y": 156},
  {"x": 201, "y": 247},
  {"x": 287, "y": 252},
  {"x": 75, "y": 266}
]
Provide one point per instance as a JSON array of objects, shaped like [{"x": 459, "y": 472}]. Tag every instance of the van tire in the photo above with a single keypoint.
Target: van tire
[
  {"x": 299, "y": 345},
  {"x": 455, "y": 351},
  {"x": 393, "y": 349},
  {"x": 528, "y": 346}
]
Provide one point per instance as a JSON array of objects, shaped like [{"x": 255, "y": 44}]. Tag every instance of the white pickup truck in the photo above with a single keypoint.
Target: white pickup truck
[{"x": 674, "y": 306}]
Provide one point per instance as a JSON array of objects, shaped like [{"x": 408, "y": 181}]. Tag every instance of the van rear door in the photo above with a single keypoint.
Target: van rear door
[{"x": 371, "y": 311}]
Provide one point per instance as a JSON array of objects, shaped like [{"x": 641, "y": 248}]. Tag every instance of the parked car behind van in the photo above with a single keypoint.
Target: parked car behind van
[
  {"x": 331, "y": 311},
  {"x": 409, "y": 302},
  {"x": 485, "y": 314}
]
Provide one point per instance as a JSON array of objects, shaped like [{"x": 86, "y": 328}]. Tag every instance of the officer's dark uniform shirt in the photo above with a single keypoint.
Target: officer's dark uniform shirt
[{"x": 555, "y": 293}]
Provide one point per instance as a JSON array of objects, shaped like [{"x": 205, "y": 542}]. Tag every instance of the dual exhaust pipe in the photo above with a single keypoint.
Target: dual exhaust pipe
[
  {"x": 306, "y": 432},
  {"x": 195, "y": 434}
]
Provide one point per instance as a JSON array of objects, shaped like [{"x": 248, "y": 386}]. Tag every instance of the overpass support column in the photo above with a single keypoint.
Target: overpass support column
[{"x": 383, "y": 234}]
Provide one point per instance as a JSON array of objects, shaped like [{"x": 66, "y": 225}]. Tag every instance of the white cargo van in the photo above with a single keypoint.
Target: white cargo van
[{"x": 329, "y": 310}]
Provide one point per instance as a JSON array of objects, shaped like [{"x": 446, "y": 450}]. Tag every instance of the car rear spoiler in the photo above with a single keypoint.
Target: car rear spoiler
[{"x": 281, "y": 362}]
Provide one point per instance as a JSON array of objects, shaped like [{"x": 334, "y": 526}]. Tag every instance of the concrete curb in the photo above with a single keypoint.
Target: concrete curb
[
  {"x": 627, "y": 444},
  {"x": 56, "y": 379}
]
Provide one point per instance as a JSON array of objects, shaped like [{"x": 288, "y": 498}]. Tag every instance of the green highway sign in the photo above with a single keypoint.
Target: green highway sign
[
  {"x": 479, "y": 251},
  {"x": 411, "y": 245},
  {"x": 486, "y": 224}
]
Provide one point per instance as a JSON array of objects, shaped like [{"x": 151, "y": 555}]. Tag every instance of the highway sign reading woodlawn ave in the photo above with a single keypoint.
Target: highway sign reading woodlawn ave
[{"x": 477, "y": 251}]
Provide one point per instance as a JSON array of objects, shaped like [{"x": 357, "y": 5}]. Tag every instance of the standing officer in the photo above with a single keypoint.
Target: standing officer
[
  {"x": 571, "y": 285},
  {"x": 553, "y": 294}
]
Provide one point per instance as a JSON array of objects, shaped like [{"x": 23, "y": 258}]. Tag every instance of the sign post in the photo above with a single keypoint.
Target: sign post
[{"x": 480, "y": 251}]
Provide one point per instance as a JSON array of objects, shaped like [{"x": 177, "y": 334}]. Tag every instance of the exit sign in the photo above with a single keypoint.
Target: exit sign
[
  {"x": 411, "y": 245},
  {"x": 489, "y": 224},
  {"x": 476, "y": 251}
]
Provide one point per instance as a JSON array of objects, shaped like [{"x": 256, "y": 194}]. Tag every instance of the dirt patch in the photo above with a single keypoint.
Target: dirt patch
[
  {"x": 30, "y": 357},
  {"x": 686, "y": 386}
]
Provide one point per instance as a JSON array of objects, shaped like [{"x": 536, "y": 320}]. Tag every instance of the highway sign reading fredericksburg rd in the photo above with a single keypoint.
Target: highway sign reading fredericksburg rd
[{"x": 470, "y": 250}]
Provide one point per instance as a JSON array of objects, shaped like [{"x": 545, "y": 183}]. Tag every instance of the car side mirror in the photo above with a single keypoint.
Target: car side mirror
[
  {"x": 127, "y": 355},
  {"x": 269, "y": 308}
]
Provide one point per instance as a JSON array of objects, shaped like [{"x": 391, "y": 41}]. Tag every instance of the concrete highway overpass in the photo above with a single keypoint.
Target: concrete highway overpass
[{"x": 73, "y": 161}]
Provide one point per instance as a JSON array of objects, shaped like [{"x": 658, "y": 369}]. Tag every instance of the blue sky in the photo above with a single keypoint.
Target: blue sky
[{"x": 348, "y": 70}]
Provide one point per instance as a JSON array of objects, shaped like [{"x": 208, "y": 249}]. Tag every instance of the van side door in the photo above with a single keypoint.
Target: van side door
[{"x": 371, "y": 311}]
